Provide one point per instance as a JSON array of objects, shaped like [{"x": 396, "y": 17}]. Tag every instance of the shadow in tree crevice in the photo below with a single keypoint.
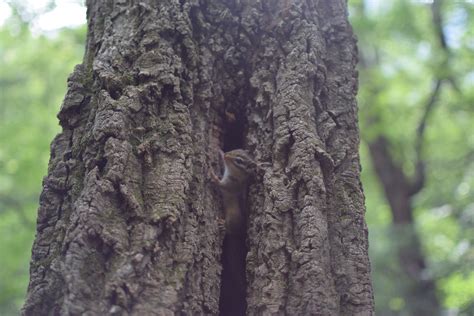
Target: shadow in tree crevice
[{"x": 232, "y": 300}]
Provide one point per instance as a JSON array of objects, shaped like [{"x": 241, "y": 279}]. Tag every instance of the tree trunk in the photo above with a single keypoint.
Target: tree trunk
[
  {"x": 419, "y": 286},
  {"x": 127, "y": 219}
]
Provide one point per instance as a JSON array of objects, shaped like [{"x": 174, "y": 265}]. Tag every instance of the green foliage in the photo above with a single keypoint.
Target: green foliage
[
  {"x": 32, "y": 82},
  {"x": 401, "y": 57},
  {"x": 459, "y": 290}
]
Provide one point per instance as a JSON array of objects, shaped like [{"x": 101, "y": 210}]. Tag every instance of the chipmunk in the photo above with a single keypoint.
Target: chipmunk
[{"x": 238, "y": 165}]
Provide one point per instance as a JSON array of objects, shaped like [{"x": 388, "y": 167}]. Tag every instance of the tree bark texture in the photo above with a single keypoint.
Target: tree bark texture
[{"x": 127, "y": 219}]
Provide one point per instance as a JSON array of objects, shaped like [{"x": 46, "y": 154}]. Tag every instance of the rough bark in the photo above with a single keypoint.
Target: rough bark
[{"x": 127, "y": 218}]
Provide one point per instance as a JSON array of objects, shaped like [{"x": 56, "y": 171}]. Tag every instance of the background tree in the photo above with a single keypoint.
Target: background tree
[
  {"x": 400, "y": 35},
  {"x": 33, "y": 72},
  {"x": 406, "y": 159},
  {"x": 127, "y": 223}
]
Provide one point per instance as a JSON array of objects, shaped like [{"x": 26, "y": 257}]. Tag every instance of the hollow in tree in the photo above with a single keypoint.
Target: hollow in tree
[{"x": 128, "y": 220}]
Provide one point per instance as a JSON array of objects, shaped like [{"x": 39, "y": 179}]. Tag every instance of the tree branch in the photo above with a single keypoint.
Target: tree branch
[
  {"x": 438, "y": 26},
  {"x": 419, "y": 177}
]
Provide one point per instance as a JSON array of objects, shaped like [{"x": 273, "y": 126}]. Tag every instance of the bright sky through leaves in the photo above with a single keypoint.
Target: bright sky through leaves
[{"x": 66, "y": 13}]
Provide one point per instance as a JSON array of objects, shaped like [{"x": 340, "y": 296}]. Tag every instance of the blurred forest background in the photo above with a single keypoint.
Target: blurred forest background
[{"x": 416, "y": 99}]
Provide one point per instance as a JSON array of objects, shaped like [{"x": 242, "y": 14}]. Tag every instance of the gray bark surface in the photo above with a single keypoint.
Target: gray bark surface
[{"x": 127, "y": 218}]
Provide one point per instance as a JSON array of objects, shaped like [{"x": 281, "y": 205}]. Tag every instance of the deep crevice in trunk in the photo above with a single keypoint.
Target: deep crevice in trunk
[
  {"x": 163, "y": 86},
  {"x": 233, "y": 291},
  {"x": 232, "y": 300}
]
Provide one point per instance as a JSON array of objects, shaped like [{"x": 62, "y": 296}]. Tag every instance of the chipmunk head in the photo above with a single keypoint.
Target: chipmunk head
[{"x": 239, "y": 162}]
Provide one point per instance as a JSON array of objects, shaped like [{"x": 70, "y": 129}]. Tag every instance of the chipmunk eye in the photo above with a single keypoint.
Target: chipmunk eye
[{"x": 240, "y": 162}]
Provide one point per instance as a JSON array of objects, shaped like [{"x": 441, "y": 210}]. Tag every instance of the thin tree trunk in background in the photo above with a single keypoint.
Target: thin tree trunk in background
[
  {"x": 419, "y": 287},
  {"x": 127, "y": 219}
]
